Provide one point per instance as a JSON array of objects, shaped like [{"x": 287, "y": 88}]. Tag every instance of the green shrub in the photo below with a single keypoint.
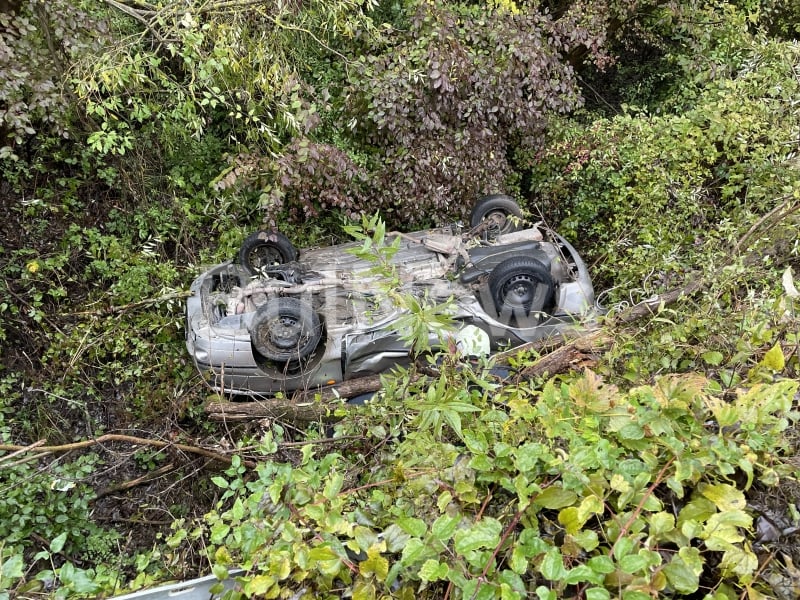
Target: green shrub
[{"x": 647, "y": 195}]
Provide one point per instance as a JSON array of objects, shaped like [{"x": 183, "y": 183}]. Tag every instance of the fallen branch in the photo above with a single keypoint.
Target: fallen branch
[
  {"x": 113, "y": 437},
  {"x": 22, "y": 450},
  {"x": 652, "y": 305},
  {"x": 126, "y": 485},
  {"x": 303, "y": 406},
  {"x": 113, "y": 310},
  {"x": 577, "y": 354}
]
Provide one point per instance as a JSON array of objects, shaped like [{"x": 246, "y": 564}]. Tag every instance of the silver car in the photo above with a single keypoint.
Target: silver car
[{"x": 279, "y": 320}]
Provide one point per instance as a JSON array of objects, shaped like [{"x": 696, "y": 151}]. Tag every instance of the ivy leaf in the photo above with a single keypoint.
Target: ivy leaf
[
  {"x": 415, "y": 550},
  {"x": 582, "y": 573},
  {"x": 258, "y": 585},
  {"x": 58, "y": 543},
  {"x": 545, "y": 593},
  {"x": 375, "y": 564},
  {"x": 433, "y": 570},
  {"x": 552, "y": 566},
  {"x": 395, "y": 538},
  {"x": 333, "y": 486},
  {"x": 444, "y": 527},
  {"x": 483, "y": 534},
  {"x": 661, "y": 523},
  {"x": 683, "y": 571},
  {"x": 12, "y": 567},
  {"x": 632, "y": 563},
  {"x": 774, "y": 358},
  {"x": 713, "y": 358},
  {"x": 739, "y": 561},
  {"x": 220, "y": 482},
  {"x": 601, "y": 564},
  {"x": 597, "y": 593},
  {"x": 555, "y": 498},
  {"x": 364, "y": 590},
  {"x": 573, "y": 518},
  {"x": 725, "y": 497}
]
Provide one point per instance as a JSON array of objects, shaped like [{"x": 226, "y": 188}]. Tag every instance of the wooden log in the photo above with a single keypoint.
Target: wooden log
[
  {"x": 302, "y": 405},
  {"x": 579, "y": 353}
]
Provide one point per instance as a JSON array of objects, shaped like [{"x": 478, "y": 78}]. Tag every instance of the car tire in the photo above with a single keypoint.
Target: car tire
[
  {"x": 264, "y": 249},
  {"x": 499, "y": 210},
  {"x": 285, "y": 329},
  {"x": 522, "y": 290}
]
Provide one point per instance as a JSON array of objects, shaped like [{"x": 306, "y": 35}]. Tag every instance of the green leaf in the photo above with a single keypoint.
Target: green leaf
[
  {"x": 725, "y": 497},
  {"x": 58, "y": 543},
  {"x": 738, "y": 561},
  {"x": 375, "y": 564},
  {"x": 545, "y": 593},
  {"x": 527, "y": 457},
  {"x": 587, "y": 539},
  {"x": 483, "y": 534},
  {"x": 635, "y": 595},
  {"x": 683, "y": 571},
  {"x": 774, "y": 358},
  {"x": 220, "y": 482},
  {"x": 729, "y": 518},
  {"x": 432, "y": 570},
  {"x": 569, "y": 518},
  {"x": 333, "y": 486},
  {"x": 623, "y": 547},
  {"x": 597, "y": 593},
  {"x": 218, "y": 532},
  {"x": 77, "y": 579},
  {"x": 661, "y": 523},
  {"x": 713, "y": 358},
  {"x": 364, "y": 590},
  {"x": 415, "y": 550},
  {"x": 444, "y": 527},
  {"x": 12, "y": 567},
  {"x": 322, "y": 552},
  {"x": 258, "y": 585},
  {"x": 574, "y": 518},
  {"x": 632, "y": 563},
  {"x": 555, "y": 498},
  {"x": 552, "y": 566},
  {"x": 601, "y": 564},
  {"x": 582, "y": 573},
  {"x": 413, "y": 526},
  {"x": 237, "y": 511}
]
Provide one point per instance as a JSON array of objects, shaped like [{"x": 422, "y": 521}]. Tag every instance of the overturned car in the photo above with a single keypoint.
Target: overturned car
[{"x": 279, "y": 320}]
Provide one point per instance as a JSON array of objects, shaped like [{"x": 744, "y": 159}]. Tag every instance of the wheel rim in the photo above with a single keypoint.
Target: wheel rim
[
  {"x": 498, "y": 221},
  {"x": 264, "y": 256},
  {"x": 285, "y": 333},
  {"x": 520, "y": 291}
]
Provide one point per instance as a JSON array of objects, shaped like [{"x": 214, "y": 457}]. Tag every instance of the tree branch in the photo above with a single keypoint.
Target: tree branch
[{"x": 113, "y": 437}]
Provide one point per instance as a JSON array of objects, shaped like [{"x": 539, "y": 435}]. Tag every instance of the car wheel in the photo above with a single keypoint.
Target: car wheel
[
  {"x": 285, "y": 329},
  {"x": 500, "y": 211},
  {"x": 522, "y": 290},
  {"x": 265, "y": 249}
]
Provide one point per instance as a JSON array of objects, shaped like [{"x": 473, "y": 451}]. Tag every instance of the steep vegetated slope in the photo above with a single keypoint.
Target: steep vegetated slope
[{"x": 142, "y": 141}]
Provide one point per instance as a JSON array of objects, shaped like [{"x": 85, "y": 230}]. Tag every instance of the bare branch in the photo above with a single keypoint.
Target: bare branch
[{"x": 113, "y": 437}]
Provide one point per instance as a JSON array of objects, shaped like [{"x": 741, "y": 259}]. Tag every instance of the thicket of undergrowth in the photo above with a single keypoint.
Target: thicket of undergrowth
[{"x": 140, "y": 145}]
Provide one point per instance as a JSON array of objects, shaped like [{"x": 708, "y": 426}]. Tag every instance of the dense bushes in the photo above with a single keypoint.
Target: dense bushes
[{"x": 707, "y": 172}]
